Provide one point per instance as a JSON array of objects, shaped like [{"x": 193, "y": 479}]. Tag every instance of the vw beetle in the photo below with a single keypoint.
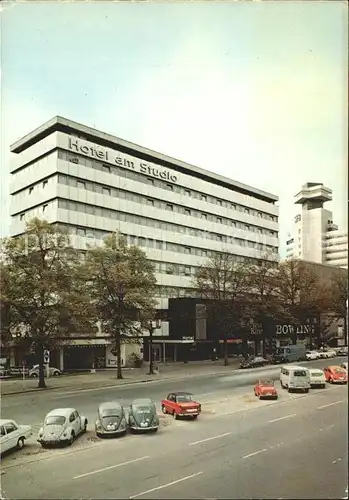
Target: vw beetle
[
  {"x": 62, "y": 425},
  {"x": 143, "y": 416},
  {"x": 111, "y": 419}
]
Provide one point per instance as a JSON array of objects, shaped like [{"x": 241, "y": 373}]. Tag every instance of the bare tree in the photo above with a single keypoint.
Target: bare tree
[
  {"x": 225, "y": 283},
  {"x": 300, "y": 292},
  {"x": 265, "y": 307}
]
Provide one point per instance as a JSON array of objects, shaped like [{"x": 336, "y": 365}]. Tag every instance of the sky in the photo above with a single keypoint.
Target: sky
[{"x": 256, "y": 91}]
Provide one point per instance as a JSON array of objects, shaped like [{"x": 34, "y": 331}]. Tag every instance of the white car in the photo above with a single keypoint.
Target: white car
[
  {"x": 13, "y": 435},
  {"x": 328, "y": 353},
  {"x": 311, "y": 355},
  {"x": 345, "y": 366},
  {"x": 53, "y": 372},
  {"x": 62, "y": 425}
]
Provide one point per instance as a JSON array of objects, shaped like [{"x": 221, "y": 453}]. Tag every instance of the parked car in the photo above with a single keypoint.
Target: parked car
[
  {"x": 295, "y": 378},
  {"x": 311, "y": 355},
  {"x": 143, "y": 416},
  {"x": 111, "y": 419},
  {"x": 255, "y": 362},
  {"x": 181, "y": 404},
  {"x": 265, "y": 389},
  {"x": 62, "y": 425},
  {"x": 328, "y": 353},
  {"x": 13, "y": 435},
  {"x": 345, "y": 367},
  {"x": 317, "y": 377},
  {"x": 53, "y": 372},
  {"x": 336, "y": 375},
  {"x": 342, "y": 351}
]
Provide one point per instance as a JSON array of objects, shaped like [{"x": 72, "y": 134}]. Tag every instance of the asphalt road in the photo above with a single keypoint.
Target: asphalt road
[
  {"x": 206, "y": 389},
  {"x": 296, "y": 447}
]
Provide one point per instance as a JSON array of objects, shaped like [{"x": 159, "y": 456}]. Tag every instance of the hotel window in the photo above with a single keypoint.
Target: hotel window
[
  {"x": 219, "y": 202},
  {"x": 187, "y": 250},
  {"x": 150, "y": 181},
  {"x": 204, "y": 216},
  {"x": 21, "y": 217},
  {"x": 80, "y": 231},
  {"x": 106, "y": 168},
  {"x": 80, "y": 185},
  {"x": 31, "y": 190},
  {"x": 233, "y": 206},
  {"x": 204, "y": 197},
  {"x": 170, "y": 187},
  {"x": 106, "y": 191},
  {"x": 247, "y": 227},
  {"x": 259, "y": 214},
  {"x": 169, "y": 207},
  {"x": 187, "y": 271},
  {"x": 150, "y": 203},
  {"x": 219, "y": 237},
  {"x": 247, "y": 211},
  {"x": 44, "y": 184},
  {"x": 187, "y": 211},
  {"x": 44, "y": 207},
  {"x": 219, "y": 220},
  {"x": 187, "y": 192}
]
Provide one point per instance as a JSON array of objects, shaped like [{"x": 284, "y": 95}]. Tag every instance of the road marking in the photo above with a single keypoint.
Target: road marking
[
  {"x": 330, "y": 404},
  {"x": 255, "y": 453},
  {"x": 111, "y": 467},
  {"x": 282, "y": 418},
  {"x": 166, "y": 485},
  {"x": 210, "y": 438}
]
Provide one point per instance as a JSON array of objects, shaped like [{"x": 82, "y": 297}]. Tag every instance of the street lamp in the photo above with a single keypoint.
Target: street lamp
[{"x": 152, "y": 326}]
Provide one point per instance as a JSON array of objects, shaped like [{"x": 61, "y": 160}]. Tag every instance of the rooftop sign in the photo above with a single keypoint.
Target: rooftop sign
[{"x": 114, "y": 157}]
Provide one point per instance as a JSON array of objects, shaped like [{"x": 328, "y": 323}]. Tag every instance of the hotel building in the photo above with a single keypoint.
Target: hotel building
[{"x": 93, "y": 183}]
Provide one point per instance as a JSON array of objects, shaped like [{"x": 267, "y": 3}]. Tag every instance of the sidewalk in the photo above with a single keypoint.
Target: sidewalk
[{"x": 105, "y": 378}]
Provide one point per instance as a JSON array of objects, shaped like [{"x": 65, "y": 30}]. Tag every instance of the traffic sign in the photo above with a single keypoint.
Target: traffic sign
[
  {"x": 113, "y": 351},
  {"x": 46, "y": 356}
]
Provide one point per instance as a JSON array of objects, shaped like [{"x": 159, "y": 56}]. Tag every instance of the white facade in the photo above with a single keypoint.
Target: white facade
[
  {"x": 93, "y": 183},
  {"x": 315, "y": 237}
]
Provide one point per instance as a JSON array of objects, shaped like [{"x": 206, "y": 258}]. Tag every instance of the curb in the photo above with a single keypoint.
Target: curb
[{"x": 105, "y": 386}]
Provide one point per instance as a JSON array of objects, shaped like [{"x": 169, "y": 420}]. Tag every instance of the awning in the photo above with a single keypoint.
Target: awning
[
  {"x": 231, "y": 341},
  {"x": 86, "y": 342},
  {"x": 173, "y": 341}
]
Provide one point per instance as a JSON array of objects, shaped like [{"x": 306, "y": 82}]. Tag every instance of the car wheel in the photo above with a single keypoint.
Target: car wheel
[
  {"x": 163, "y": 409},
  {"x": 175, "y": 415},
  {"x": 56, "y": 374},
  {"x": 330, "y": 381},
  {"x": 259, "y": 397},
  {"x": 156, "y": 429},
  {"x": 85, "y": 426},
  {"x": 20, "y": 443},
  {"x": 194, "y": 417},
  {"x": 72, "y": 438},
  {"x": 306, "y": 391},
  {"x": 34, "y": 375}
]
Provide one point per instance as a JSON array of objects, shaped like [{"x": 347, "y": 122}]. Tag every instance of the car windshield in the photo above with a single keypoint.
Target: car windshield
[
  {"x": 184, "y": 398},
  {"x": 338, "y": 370},
  {"x": 267, "y": 382},
  {"x": 111, "y": 412},
  {"x": 316, "y": 374},
  {"x": 55, "y": 420},
  {"x": 300, "y": 373},
  {"x": 143, "y": 410}
]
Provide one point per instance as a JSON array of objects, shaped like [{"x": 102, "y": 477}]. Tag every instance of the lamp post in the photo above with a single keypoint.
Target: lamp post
[
  {"x": 152, "y": 326},
  {"x": 121, "y": 297}
]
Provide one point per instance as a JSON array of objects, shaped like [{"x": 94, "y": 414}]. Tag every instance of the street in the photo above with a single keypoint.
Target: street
[{"x": 239, "y": 447}]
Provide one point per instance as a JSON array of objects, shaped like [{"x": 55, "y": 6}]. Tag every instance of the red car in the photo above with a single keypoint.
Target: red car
[
  {"x": 335, "y": 375},
  {"x": 181, "y": 404},
  {"x": 265, "y": 389}
]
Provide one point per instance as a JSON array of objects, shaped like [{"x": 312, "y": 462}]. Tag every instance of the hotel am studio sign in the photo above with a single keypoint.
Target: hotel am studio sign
[{"x": 115, "y": 157}]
